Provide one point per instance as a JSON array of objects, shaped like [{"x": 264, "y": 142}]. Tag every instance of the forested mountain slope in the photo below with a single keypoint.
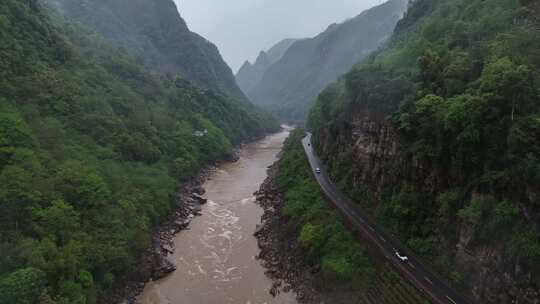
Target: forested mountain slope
[
  {"x": 438, "y": 135},
  {"x": 92, "y": 147},
  {"x": 250, "y": 74},
  {"x": 289, "y": 87},
  {"x": 156, "y": 33}
]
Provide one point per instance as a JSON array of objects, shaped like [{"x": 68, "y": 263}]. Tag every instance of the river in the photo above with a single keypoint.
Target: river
[{"x": 216, "y": 256}]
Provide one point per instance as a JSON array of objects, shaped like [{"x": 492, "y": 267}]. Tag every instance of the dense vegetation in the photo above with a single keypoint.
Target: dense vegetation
[
  {"x": 155, "y": 32},
  {"x": 92, "y": 148},
  {"x": 321, "y": 230},
  {"x": 347, "y": 273},
  {"x": 290, "y": 86},
  {"x": 459, "y": 83}
]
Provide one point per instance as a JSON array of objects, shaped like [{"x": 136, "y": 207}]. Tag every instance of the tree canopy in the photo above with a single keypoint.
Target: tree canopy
[{"x": 92, "y": 148}]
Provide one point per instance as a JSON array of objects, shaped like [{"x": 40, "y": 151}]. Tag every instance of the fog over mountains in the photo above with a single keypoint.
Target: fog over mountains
[
  {"x": 158, "y": 35},
  {"x": 250, "y": 74},
  {"x": 242, "y": 28},
  {"x": 290, "y": 85},
  {"x": 413, "y": 175}
]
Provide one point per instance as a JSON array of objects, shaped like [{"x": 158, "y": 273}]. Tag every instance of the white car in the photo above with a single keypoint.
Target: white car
[
  {"x": 402, "y": 258},
  {"x": 318, "y": 170}
]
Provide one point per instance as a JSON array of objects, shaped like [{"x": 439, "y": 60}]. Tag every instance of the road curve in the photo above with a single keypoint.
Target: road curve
[{"x": 412, "y": 270}]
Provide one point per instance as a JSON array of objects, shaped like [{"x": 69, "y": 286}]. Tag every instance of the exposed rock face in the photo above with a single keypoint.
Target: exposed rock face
[
  {"x": 290, "y": 85},
  {"x": 288, "y": 266},
  {"x": 154, "y": 31},
  {"x": 282, "y": 255},
  {"x": 155, "y": 262},
  {"x": 374, "y": 149},
  {"x": 369, "y": 144},
  {"x": 199, "y": 199},
  {"x": 495, "y": 276}
]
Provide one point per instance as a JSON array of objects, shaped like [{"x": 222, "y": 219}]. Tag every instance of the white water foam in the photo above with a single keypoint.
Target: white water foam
[{"x": 222, "y": 232}]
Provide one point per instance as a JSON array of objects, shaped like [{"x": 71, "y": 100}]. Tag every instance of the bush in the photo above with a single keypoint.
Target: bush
[
  {"x": 24, "y": 286},
  {"x": 92, "y": 148},
  {"x": 321, "y": 232}
]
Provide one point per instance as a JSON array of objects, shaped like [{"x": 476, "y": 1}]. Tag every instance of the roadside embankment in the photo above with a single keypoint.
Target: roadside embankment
[{"x": 306, "y": 247}]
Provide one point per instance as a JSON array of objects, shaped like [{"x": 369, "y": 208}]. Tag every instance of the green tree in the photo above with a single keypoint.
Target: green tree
[
  {"x": 81, "y": 186},
  {"x": 432, "y": 71},
  {"x": 14, "y": 133},
  {"x": 17, "y": 197},
  {"x": 22, "y": 287},
  {"x": 510, "y": 86},
  {"x": 58, "y": 222},
  {"x": 72, "y": 293},
  {"x": 183, "y": 167}
]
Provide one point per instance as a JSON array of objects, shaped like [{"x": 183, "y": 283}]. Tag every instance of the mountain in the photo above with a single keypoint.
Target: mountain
[
  {"x": 250, "y": 74},
  {"x": 156, "y": 33},
  {"x": 93, "y": 147},
  {"x": 291, "y": 85},
  {"x": 437, "y": 136},
  {"x": 277, "y": 51}
]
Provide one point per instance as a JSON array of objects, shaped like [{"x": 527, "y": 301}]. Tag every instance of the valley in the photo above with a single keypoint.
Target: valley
[
  {"x": 216, "y": 257},
  {"x": 136, "y": 168}
]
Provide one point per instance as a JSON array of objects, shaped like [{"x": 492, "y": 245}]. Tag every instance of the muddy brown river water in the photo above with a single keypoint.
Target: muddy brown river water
[{"x": 216, "y": 256}]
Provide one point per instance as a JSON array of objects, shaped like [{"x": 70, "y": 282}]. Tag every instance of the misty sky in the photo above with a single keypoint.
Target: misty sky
[{"x": 241, "y": 28}]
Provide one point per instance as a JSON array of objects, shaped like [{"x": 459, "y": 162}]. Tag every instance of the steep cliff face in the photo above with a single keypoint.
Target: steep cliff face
[
  {"x": 154, "y": 31},
  {"x": 298, "y": 221},
  {"x": 289, "y": 87},
  {"x": 250, "y": 74},
  {"x": 370, "y": 145},
  {"x": 438, "y": 134}
]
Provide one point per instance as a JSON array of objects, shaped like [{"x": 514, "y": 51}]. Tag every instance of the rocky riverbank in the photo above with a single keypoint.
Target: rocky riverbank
[
  {"x": 288, "y": 265},
  {"x": 155, "y": 263},
  {"x": 281, "y": 254}
]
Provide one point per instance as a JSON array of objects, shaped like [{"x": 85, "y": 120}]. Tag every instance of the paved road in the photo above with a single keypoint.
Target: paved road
[{"x": 412, "y": 270}]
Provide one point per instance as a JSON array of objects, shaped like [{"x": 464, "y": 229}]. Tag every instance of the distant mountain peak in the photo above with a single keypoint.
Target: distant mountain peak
[
  {"x": 263, "y": 59},
  {"x": 291, "y": 84},
  {"x": 250, "y": 74},
  {"x": 246, "y": 65}
]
